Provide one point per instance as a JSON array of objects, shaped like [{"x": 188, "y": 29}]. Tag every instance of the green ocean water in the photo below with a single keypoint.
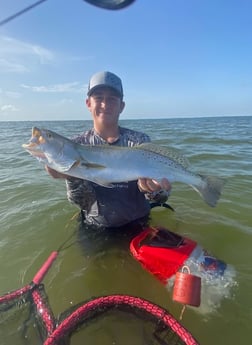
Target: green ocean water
[{"x": 36, "y": 219}]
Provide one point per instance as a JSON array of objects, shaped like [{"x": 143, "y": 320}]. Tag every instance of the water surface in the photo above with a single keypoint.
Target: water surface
[{"x": 36, "y": 218}]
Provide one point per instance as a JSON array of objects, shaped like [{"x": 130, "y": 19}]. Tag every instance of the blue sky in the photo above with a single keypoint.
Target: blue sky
[{"x": 177, "y": 58}]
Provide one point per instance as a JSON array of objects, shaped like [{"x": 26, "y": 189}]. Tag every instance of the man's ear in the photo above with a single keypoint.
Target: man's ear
[
  {"x": 87, "y": 102},
  {"x": 122, "y": 105}
]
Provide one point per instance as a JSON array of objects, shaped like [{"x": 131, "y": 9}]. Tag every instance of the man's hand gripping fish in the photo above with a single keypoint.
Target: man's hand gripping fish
[{"x": 106, "y": 164}]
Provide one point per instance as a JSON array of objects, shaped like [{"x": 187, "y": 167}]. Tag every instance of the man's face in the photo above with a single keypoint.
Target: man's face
[{"x": 105, "y": 105}]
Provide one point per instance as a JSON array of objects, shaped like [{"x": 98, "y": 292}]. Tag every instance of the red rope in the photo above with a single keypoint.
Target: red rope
[
  {"x": 39, "y": 276},
  {"x": 15, "y": 294},
  {"x": 72, "y": 322},
  {"x": 43, "y": 311}
]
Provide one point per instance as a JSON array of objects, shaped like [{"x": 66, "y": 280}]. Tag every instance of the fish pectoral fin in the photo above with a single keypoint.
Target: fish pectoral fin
[
  {"x": 67, "y": 165},
  {"x": 64, "y": 165},
  {"x": 92, "y": 165}
]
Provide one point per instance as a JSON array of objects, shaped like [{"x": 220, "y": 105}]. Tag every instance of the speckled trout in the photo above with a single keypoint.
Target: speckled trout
[{"x": 107, "y": 164}]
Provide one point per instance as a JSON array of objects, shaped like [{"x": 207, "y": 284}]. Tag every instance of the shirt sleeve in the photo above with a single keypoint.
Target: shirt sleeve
[{"x": 81, "y": 193}]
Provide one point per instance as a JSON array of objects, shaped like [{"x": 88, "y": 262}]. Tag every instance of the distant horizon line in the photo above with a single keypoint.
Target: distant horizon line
[{"x": 133, "y": 119}]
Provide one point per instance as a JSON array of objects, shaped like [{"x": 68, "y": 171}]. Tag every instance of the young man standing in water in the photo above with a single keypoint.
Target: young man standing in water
[{"x": 124, "y": 206}]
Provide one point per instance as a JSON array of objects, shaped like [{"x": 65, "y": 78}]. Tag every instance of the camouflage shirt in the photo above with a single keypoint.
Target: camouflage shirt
[{"x": 109, "y": 207}]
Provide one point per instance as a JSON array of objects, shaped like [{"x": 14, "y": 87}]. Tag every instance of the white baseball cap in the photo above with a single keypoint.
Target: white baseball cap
[{"x": 107, "y": 79}]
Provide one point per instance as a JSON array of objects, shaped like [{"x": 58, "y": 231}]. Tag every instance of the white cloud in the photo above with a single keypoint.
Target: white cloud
[
  {"x": 43, "y": 54},
  {"x": 9, "y": 108},
  {"x": 66, "y": 101},
  {"x": 16, "y": 47},
  {"x": 13, "y": 94},
  {"x": 18, "y": 56},
  {"x": 73, "y": 87},
  {"x": 12, "y": 66}
]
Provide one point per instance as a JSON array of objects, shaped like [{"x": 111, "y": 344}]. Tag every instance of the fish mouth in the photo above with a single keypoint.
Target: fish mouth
[{"x": 33, "y": 146}]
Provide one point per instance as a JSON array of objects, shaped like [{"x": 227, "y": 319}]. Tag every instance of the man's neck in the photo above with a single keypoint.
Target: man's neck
[{"x": 110, "y": 134}]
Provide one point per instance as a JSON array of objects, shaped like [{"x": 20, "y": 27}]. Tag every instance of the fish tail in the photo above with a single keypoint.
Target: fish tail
[{"x": 211, "y": 189}]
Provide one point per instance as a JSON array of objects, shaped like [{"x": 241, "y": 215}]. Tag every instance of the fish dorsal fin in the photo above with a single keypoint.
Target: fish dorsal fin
[{"x": 167, "y": 152}]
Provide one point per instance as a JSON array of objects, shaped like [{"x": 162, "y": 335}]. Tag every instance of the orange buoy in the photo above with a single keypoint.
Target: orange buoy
[{"x": 187, "y": 288}]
